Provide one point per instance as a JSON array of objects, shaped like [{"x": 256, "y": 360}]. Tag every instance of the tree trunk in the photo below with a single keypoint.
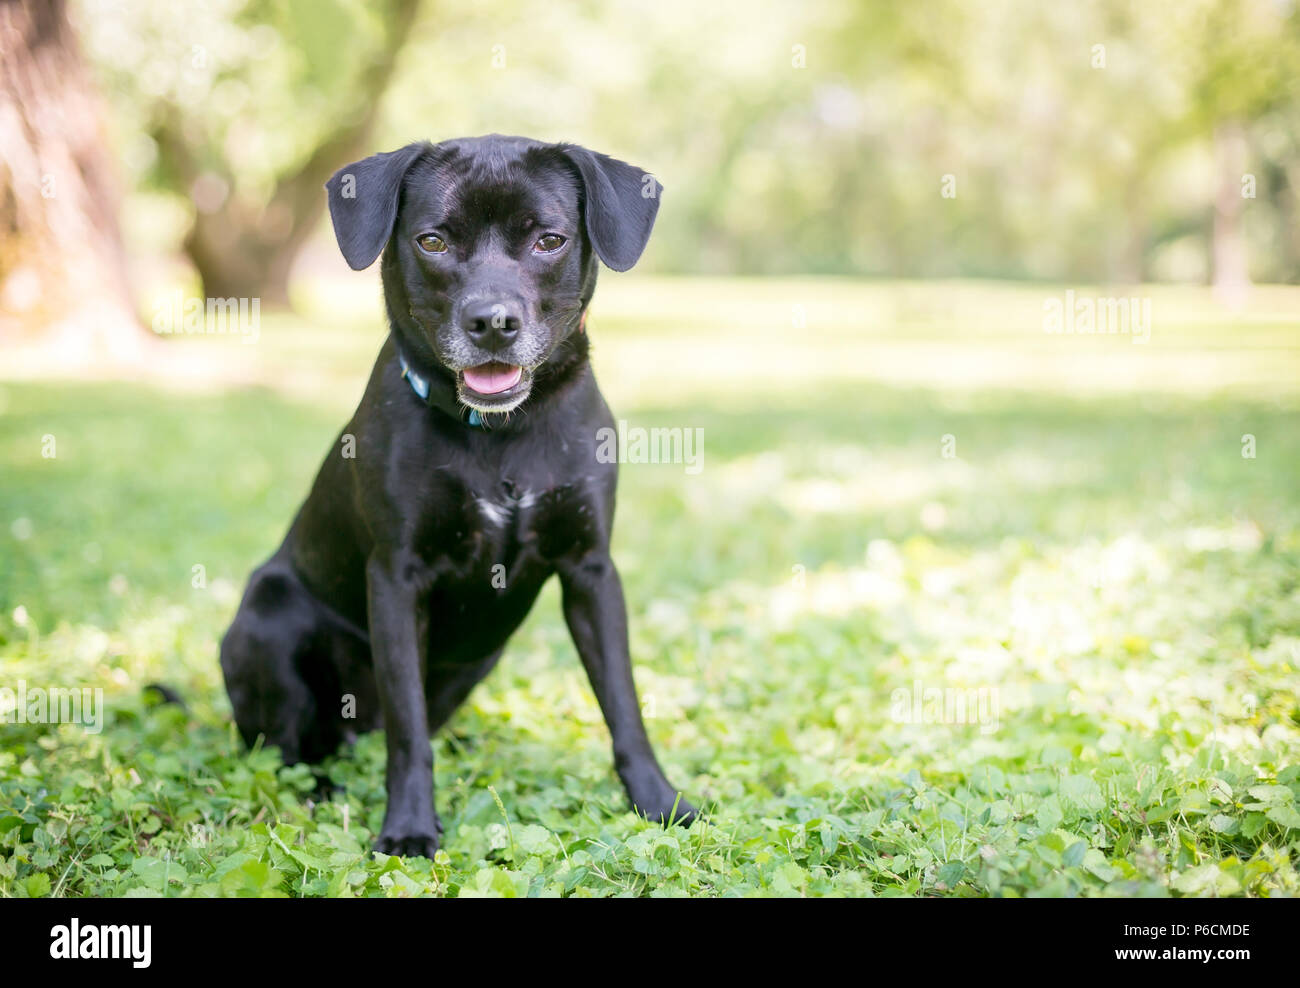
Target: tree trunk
[
  {"x": 63, "y": 277},
  {"x": 244, "y": 249},
  {"x": 1231, "y": 271},
  {"x": 1288, "y": 186},
  {"x": 1131, "y": 266}
]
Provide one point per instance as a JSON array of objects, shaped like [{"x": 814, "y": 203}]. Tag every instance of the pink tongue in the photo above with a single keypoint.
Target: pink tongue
[{"x": 490, "y": 379}]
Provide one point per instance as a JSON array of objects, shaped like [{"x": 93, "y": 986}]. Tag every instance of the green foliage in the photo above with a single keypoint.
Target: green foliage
[{"x": 1105, "y": 558}]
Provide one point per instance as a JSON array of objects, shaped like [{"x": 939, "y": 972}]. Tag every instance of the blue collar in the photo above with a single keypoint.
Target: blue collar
[{"x": 420, "y": 385}]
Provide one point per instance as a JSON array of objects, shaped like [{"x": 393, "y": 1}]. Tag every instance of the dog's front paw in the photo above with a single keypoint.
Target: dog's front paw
[
  {"x": 666, "y": 809},
  {"x": 410, "y": 844}
]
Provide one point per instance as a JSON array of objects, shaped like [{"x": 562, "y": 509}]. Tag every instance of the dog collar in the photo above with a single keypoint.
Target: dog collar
[{"x": 423, "y": 388}]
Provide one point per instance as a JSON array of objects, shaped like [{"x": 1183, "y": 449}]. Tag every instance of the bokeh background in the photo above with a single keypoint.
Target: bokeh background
[
  {"x": 907, "y": 483},
  {"x": 1100, "y": 141}
]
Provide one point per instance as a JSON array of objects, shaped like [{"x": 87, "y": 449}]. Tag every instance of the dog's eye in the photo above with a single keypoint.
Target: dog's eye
[
  {"x": 431, "y": 244},
  {"x": 549, "y": 244}
]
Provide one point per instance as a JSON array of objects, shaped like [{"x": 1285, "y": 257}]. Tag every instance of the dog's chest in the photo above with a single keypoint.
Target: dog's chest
[
  {"x": 491, "y": 558},
  {"x": 495, "y": 535}
]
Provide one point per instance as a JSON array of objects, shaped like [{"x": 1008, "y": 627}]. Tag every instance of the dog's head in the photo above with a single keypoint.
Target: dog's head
[{"x": 491, "y": 247}]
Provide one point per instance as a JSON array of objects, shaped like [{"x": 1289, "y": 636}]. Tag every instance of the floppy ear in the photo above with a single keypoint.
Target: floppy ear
[
  {"x": 363, "y": 202},
  {"x": 621, "y": 204}
]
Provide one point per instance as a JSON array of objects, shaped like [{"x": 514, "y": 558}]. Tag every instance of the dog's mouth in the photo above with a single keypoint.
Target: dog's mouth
[{"x": 494, "y": 386}]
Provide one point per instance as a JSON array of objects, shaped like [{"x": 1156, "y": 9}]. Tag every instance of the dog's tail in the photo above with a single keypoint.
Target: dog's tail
[{"x": 161, "y": 693}]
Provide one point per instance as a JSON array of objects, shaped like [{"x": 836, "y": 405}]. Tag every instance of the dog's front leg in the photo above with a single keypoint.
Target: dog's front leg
[
  {"x": 398, "y": 615},
  {"x": 597, "y": 619}
]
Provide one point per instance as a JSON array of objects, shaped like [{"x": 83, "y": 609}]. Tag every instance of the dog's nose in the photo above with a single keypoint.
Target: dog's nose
[{"x": 492, "y": 325}]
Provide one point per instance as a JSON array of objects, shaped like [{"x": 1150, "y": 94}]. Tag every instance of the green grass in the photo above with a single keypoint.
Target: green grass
[{"x": 1098, "y": 558}]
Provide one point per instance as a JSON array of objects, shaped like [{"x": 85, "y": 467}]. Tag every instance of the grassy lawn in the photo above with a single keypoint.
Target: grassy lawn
[{"x": 1096, "y": 568}]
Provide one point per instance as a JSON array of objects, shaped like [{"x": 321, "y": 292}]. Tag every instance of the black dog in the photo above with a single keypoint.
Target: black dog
[{"x": 467, "y": 476}]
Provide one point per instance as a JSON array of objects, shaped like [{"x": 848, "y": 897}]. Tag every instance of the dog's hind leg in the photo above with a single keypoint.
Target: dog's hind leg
[{"x": 279, "y": 666}]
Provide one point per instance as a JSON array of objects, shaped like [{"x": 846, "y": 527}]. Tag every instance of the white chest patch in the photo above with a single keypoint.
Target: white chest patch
[
  {"x": 496, "y": 514},
  {"x": 499, "y": 513}
]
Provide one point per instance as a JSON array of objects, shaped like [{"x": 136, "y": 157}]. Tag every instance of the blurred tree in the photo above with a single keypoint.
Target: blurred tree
[
  {"x": 251, "y": 105},
  {"x": 245, "y": 245},
  {"x": 62, "y": 264},
  {"x": 1244, "y": 58}
]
